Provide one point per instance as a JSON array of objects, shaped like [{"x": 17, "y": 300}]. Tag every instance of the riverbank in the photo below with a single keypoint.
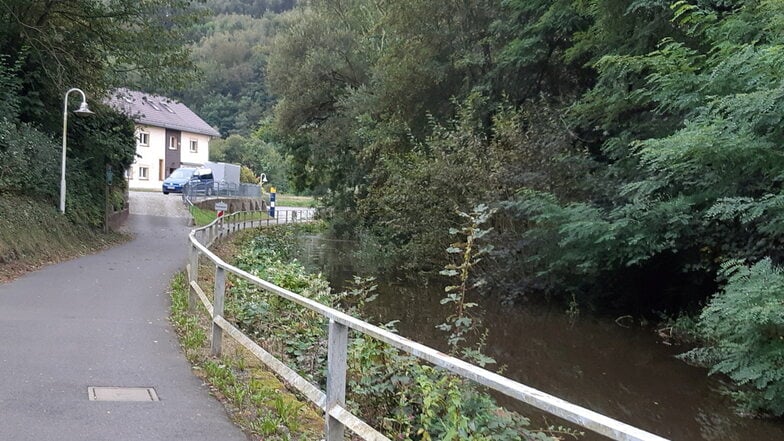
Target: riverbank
[
  {"x": 392, "y": 391},
  {"x": 620, "y": 368},
  {"x": 256, "y": 400},
  {"x": 33, "y": 233}
]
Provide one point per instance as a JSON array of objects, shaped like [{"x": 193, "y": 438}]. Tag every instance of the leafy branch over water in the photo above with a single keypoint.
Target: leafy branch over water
[{"x": 461, "y": 323}]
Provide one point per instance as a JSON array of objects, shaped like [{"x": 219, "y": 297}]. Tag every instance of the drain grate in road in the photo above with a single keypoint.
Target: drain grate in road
[{"x": 122, "y": 394}]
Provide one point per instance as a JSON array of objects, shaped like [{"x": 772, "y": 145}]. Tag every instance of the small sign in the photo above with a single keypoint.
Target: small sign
[{"x": 221, "y": 206}]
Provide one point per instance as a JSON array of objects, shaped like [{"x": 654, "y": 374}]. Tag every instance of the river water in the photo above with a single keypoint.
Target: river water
[{"x": 624, "y": 372}]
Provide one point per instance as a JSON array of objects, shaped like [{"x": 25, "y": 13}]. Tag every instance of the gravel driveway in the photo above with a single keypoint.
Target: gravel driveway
[{"x": 150, "y": 203}]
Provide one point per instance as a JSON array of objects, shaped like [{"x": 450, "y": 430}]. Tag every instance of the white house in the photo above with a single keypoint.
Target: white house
[{"x": 168, "y": 136}]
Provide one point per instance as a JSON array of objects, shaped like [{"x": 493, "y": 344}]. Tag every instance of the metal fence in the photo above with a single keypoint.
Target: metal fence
[
  {"x": 198, "y": 192},
  {"x": 332, "y": 401}
]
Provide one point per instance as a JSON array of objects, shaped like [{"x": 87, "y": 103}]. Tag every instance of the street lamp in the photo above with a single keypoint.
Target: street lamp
[{"x": 83, "y": 110}]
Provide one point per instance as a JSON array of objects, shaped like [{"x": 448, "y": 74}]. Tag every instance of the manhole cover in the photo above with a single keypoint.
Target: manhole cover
[{"x": 122, "y": 394}]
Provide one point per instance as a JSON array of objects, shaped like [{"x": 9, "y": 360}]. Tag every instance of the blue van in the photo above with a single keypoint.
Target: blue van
[{"x": 200, "y": 179}]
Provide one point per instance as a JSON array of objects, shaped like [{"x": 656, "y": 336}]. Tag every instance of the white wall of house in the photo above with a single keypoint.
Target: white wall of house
[
  {"x": 201, "y": 143},
  {"x": 146, "y": 172}
]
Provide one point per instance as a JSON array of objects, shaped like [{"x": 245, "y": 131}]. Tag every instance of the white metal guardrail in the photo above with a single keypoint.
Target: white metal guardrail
[
  {"x": 198, "y": 192},
  {"x": 332, "y": 402}
]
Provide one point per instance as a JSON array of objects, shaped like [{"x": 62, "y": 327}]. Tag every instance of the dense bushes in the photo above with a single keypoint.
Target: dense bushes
[
  {"x": 742, "y": 330},
  {"x": 29, "y": 160},
  {"x": 630, "y": 148}
]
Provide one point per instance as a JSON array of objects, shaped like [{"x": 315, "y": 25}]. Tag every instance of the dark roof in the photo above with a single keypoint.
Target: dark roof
[{"x": 159, "y": 111}]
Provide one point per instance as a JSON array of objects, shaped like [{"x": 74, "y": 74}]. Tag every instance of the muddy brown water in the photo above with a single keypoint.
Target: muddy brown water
[{"x": 626, "y": 373}]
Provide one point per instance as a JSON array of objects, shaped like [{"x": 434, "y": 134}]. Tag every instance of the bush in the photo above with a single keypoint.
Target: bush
[
  {"x": 29, "y": 160},
  {"x": 743, "y": 331},
  {"x": 247, "y": 176}
]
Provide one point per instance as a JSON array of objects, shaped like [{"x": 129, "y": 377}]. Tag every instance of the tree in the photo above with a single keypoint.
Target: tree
[
  {"x": 93, "y": 44},
  {"x": 255, "y": 154},
  {"x": 231, "y": 92},
  {"x": 50, "y": 46}
]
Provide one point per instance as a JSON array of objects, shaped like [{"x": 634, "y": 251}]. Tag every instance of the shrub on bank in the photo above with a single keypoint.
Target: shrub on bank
[{"x": 743, "y": 333}]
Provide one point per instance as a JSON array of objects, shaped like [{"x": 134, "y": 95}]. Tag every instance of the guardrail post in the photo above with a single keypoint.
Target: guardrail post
[
  {"x": 217, "y": 309},
  {"x": 193, "y": 276},
  {"x": 336, "y": 377}
]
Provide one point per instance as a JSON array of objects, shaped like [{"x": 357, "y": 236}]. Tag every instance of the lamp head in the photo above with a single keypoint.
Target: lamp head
[{"x": 83, "y": 110}]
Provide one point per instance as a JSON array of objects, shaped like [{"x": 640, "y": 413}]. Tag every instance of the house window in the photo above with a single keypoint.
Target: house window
[
  {"x": 172, "y": 143},
  {"x": 194, "y": 146},
  {"x": 144, "y": 173},
  {"x": 129, "y": 173},
  {"x": 144, "y": 139}
]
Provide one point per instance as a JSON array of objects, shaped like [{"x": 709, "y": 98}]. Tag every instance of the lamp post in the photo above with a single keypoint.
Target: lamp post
[{"x": 83, "y": 110}]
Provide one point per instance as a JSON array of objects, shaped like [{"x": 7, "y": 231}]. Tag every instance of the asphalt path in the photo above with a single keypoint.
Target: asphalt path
[
  {"x": 102, "y": 320},
  {"x": 157, "y": 204}
]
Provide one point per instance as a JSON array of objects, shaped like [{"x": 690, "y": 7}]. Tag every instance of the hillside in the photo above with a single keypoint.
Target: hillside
[{"x": 33, "y": 233}]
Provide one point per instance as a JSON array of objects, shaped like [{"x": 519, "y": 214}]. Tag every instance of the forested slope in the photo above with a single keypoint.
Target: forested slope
[{"x": 632, "y": 149}]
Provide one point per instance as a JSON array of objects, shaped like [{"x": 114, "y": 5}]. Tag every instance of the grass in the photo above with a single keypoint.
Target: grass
[
  {"x": 34, "y": 233},
  {"x": 256, "y": 400},
  {"x": 203, "y": 217},
  {"x": 285, "y": 200}
]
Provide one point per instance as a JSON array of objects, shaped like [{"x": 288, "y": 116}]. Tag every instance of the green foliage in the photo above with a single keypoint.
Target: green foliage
[
  {"x": 452, "y": 410},
  {"x": 391, "y": 391},
  {"x": 295, "y": 332},
  {"x": 629, "y": 147},
  {"x": 33, "y": 233},
  {"x": 193, "y": 335},
  {"x": 247, "y": 176},
  {"x": 28, "y": 160},
  {"x": 254, "y": 8},
  {"x": 93, "y": 45},
  {"x": 228, "y": 51},
  {"x": 469, "y": 254},
  {"x": 415, "y": 197},
  {"x": 256, "y": 154},
  {"x": 104, "y": 140},
  {"x": 743, "y": 333},
  {"x": 257, "y": 398},
  {"x": 50, "y": 47}
]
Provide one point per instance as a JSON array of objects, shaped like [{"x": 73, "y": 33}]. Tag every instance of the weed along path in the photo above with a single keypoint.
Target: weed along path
[{"x": 87, "y": 351}]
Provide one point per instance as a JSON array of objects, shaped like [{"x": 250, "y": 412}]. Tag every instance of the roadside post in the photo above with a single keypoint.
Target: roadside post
[
  {"x": 220, "y": 208},
  {"x": 272, "y": 202},
  {"x": 106, "y": 205}
]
